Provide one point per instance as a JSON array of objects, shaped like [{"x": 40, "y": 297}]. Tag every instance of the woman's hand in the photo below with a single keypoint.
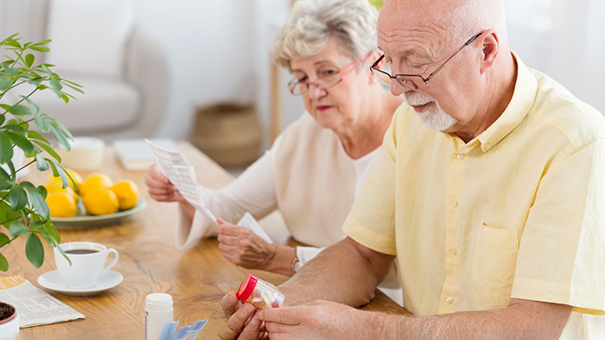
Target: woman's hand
[
  {"x": 244, "y": 248},
  {"x": 159, "y": 186}
]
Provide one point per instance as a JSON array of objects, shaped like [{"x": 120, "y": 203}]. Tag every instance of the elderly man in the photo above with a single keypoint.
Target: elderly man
[{"x": 489, "y": 189}]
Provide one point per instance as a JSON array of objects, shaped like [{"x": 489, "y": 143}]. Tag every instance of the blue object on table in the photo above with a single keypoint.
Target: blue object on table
[{"x": 184, "y": 333}]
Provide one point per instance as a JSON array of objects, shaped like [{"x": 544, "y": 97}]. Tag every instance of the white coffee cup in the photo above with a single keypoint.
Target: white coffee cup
[{"x": 87, "y": 263}]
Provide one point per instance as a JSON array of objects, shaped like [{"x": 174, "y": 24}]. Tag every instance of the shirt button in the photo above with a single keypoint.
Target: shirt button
[
  {"x": 450, "y": 300},
  {"x": 454, "y": 204},
  {"x": 454, "y": 251},
  {"x": 460, "y": 156}
]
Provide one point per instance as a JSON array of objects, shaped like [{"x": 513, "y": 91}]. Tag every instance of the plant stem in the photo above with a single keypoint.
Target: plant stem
[
  {"x": 22, "y": 99},
  {"x": 25, "y": 166},
  {"x": 11, "y": 240},
  {"x": 10, "y": 88}
]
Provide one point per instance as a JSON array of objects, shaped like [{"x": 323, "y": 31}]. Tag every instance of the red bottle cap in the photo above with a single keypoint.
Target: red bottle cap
[{"x": 247, "y": 287}]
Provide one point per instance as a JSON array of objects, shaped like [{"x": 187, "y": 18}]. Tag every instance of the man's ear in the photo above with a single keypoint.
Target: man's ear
[{"x": 490, "y": 48}]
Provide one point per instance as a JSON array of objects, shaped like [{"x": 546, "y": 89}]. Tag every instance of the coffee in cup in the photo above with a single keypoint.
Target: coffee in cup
[{"x": 87, "y": 263}]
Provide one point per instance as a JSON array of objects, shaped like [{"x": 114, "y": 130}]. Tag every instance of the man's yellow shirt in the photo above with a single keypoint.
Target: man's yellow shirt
[{"x": 517, "y": 212}]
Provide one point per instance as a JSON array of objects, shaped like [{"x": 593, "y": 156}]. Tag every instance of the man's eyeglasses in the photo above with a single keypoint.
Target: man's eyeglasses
[
  {"x": 417, "y": 80},
  {"x": 300, "y": 87}
]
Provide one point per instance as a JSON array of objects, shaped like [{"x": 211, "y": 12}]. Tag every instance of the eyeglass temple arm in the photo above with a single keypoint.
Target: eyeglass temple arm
[{"x": 453, "y": 55}]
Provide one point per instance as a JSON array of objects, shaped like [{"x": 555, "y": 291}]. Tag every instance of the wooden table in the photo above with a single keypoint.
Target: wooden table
[{"x": 149, "y": 261}]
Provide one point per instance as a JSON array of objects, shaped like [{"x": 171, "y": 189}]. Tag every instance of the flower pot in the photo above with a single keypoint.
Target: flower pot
[{"x": 9, "y": 319}]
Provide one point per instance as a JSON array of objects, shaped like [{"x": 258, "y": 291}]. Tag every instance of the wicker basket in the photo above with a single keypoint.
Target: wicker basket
[{"x": 228, "y": 133}]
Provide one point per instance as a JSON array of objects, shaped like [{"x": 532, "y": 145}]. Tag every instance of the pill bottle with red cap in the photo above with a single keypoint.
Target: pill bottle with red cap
[{"x": 260, "y": 293}]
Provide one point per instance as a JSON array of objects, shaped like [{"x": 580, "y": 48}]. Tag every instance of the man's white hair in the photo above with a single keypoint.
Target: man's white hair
[{"x": 352, "y": 23}]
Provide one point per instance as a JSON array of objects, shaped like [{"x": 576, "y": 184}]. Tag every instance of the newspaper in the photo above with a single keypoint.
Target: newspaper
[
  {"x": 182, "y": 174},
  {"x": 35, "y": 306}
]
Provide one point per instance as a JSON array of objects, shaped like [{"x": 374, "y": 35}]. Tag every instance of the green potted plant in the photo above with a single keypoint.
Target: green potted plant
[{"x": 23, "y": 209}]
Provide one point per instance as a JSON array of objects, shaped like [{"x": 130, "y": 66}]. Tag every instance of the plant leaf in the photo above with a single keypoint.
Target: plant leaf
[
  {"x": 32, "y": 104},
  {"x": 49, "y": 150},
  {"x": 59, "y": 172},
  {"x": 4, "y": 239},
  {"x": 15, "y": 128},
  {"x": 56, "y": 84},
  {"x": 20, "y": 110},
  {"x": 11, "y": 166},
  {"x": 34, "y": 250},
  {"x": 42, "y": 190},
  {"x": 6, "y": 148},
  {"x": 37, "y": 200},
  {"x": 17, "y": 198},
  {"x": 42, "y": 124},
  {"x": 3, "y": 263},
  {"x": 64, "y": 129},
  {"x": 52, "y": 230},
  {"x": 60, "y": 137},
  {"x": 18, "y": 229},
  {"x": 39, "y": 48},
  {"x": 5, "y": 185},
  {"x": 40, "y": 163},
  {"x": 5, "y": 83},
  {"x": 4, "y": 174},
  {"x": 29, "y": 60},
  {"x": 35, "y": 135},
  {"x": 22, "y": 143}
]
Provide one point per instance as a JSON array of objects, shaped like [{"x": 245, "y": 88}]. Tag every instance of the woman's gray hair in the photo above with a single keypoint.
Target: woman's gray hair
[{"x": 352, "y": 23}]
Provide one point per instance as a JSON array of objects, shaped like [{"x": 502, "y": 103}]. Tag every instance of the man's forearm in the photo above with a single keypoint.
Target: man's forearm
[
  {"x": 340, "y": 273},
  {"x": 527, "y": 320}
]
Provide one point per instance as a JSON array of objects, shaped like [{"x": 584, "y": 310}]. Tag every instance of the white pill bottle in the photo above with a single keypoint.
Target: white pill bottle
[{"x": 158, "y": 312}]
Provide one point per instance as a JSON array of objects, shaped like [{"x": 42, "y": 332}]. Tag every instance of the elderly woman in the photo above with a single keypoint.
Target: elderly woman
[{"x": 316, "y": 166}]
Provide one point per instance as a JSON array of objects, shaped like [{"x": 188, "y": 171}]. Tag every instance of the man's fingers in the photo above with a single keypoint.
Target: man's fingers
[
  {"x": 252, "y": 330},
  {"x": 273, "y": 327},
  {"x": 284, "y": 315},
  {"x": 237, "y": 321},
  {"x": 230, "y": 304}
]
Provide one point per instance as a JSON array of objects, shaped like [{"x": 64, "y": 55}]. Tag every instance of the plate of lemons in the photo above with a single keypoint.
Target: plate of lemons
[{"x": 96, "y": 201}]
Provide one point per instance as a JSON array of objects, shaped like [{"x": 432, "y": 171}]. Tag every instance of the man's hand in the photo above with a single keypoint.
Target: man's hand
[
  {"x": 316, "y": 320},
  {"x": 243, "y": 322}
]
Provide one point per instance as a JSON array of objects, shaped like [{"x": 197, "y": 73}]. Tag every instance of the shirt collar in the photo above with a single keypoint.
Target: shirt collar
[{"x": 524, "y": 96}]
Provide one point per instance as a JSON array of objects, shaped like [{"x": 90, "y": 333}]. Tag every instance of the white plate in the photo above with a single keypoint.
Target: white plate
[
  {"x": 89, "y": 221},
  {"x": 53, "y": 281}
]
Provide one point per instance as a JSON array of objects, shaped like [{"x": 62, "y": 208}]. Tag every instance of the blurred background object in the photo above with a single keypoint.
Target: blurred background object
[
  {"x": 228, "y": 133},
  {"x": 126, "y": 89},
  {"x": 170, "y": 57}
]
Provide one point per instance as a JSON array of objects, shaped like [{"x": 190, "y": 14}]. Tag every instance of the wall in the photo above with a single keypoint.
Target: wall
[{"x": 210, "y": 51}]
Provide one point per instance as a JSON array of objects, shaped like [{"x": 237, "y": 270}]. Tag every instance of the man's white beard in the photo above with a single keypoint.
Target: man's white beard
[{"x": 433, "y": 117}]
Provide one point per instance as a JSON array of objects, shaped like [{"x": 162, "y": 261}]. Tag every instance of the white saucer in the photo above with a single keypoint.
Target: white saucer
[{"x": 53, "y": 281}]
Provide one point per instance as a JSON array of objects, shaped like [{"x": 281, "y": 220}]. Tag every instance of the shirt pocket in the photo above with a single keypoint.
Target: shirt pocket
[{"x": 494, "y": 263}]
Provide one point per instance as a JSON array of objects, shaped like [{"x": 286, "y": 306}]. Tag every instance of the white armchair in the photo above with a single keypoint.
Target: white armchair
[{"x": 125, "y": 99}]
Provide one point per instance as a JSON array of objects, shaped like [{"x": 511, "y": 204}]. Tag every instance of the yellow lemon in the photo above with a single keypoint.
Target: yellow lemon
[
  {"x": 96, "y": 180},
  {"x": 52, "y": 180},
  {"x": 127, "y": 193},
  {"x": 61, "y": 204},
  {"x": 100, "y": 201},
  {"x": 57, "y": 188}
]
